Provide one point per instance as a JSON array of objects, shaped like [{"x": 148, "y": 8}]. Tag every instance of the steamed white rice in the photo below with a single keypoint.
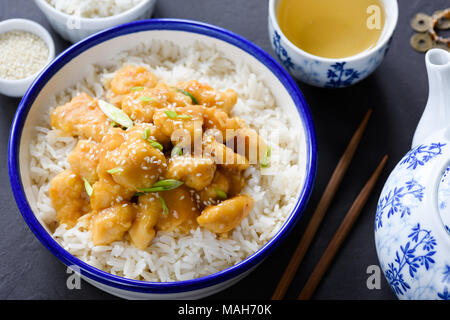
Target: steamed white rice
[
  {"x": 171, "y": 256},
  {"x": 93, "y": 8}
]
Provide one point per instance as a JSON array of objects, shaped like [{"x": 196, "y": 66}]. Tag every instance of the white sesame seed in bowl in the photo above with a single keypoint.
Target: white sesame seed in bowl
[{"x": 25, "y": 49}]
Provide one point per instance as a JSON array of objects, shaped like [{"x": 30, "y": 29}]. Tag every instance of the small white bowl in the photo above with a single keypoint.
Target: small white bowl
[
  {"x": 17, "y": 88},
  {"x": 74, "y": 29},
  {"x": 325, "y": 72}
]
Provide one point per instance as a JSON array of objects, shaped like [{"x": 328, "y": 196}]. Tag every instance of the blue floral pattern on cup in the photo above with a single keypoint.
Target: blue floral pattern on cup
[
  {"x": 321, "y": 72},
  {"x": 282, "y": 53},
  {"x": 340, "y": 76}
]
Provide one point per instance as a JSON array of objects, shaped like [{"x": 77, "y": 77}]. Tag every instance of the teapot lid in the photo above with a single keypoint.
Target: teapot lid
[{"x": 444, "y": 199}]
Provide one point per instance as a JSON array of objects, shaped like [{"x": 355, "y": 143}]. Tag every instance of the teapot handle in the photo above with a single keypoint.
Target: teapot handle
[{"x": 433, "y": 177}]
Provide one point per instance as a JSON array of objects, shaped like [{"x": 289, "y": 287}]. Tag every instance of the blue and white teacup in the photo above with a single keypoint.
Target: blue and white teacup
[{"x": 326, "y": 72}]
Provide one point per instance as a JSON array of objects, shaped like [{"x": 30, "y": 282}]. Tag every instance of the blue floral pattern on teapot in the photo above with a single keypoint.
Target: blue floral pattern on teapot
[{"x": 412, "y": 244}]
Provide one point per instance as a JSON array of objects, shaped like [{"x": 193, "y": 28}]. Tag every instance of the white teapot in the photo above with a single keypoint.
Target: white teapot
[{"x": 412, "y": 222}]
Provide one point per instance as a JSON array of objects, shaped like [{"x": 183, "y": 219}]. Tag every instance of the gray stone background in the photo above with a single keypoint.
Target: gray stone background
[{"x": 397, "y": 92}]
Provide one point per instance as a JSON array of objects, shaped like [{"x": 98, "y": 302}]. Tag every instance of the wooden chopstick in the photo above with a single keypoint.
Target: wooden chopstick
[
  {"x": 341, "y": 234},
  {"x": 321, "y": 209}
]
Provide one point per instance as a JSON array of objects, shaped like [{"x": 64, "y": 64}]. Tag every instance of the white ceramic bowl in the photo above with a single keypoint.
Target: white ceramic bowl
[
  {"x": 74, "y": 29},
  {"x": 17, "y": 88},
  {"x": 70, "y": 67},
  {"x": 331, "y": 73}
]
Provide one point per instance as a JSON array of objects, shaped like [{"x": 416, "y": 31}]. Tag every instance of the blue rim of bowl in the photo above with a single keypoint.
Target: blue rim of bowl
[{"x": 118, "y": 282}]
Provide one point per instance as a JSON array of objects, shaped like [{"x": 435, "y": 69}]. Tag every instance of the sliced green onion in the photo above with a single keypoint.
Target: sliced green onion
[
  {"x": 169, "y": 184},
  {"x": 221, "y": 194},
  {"x": 88, "y": 187},
  {"x": 266, "y": 158},
  {"x": 194, "y": 101},
  {"x": 137, "y": 88},
  {"x": 115, "y": 170},
  {"x": 145, "y": 99},
  {"x": 184, "y": 116},
  {"x": 155, "y": 144},
  {"x": 163, "y": 185},
  {"x": 177, "y": 151},
  {"x": 164, "y": 206},
  {"x": 152, "y": 189},
  {"x": 115, "y": 114},
  {"x": 146, "y": 134},
  {"x": 171, "y": 114}
]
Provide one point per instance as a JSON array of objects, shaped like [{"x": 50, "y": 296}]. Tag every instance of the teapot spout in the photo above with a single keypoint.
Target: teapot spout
[{"x": 437, "y": 111}]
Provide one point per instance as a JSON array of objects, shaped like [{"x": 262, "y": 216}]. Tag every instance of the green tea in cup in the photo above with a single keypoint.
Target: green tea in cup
[{"x": 332, "y": 28}]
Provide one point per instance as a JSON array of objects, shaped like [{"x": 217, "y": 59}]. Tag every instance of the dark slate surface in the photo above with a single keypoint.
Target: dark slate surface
[{"x": 397, "y": 92}]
